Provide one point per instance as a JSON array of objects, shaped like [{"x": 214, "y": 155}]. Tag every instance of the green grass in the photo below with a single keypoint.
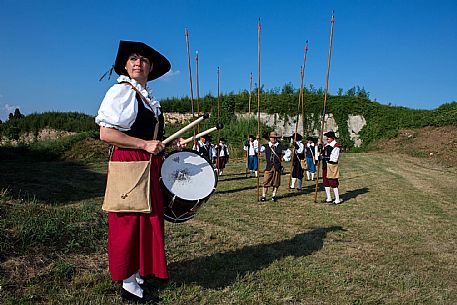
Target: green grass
[{"x": 392, "y": 241}]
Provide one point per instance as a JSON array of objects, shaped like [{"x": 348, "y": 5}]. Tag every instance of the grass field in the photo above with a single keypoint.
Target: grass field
[{"x": 392, "y": 241}]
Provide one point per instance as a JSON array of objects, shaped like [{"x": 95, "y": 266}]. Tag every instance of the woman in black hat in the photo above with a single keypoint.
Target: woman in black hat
[{"x": 131, "y": 120}]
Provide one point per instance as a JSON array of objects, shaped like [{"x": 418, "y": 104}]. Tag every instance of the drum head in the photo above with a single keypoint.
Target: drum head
[{"x": 188, "y": 175}]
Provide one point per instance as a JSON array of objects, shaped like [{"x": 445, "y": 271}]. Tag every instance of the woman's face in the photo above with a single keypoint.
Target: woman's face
[{"x": 138, "y": 68}]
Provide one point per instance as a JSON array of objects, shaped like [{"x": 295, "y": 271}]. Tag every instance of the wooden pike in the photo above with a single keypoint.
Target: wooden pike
[
  {"x": 303, "y": 91},
  {"x": 258, "y": 109},
  {"x": 218, "y": 116},
  {"x": 198, "y": 93},
  {"x": 299, "y": 103},
  {"x": 249, "y": 124},
  {"x": 321, "y": 136},
  {"x": 190, "y": 79}
]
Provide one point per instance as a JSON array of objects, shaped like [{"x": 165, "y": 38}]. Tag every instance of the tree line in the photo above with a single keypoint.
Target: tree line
[{"x": 383, "y": 121}]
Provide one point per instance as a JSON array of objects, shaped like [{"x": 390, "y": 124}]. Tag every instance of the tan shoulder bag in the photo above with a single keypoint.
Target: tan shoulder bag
[{"x": 128, "y": 184}]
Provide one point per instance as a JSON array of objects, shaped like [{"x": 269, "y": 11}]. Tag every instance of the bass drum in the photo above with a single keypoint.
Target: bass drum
[{"x": 187, "y": 181}]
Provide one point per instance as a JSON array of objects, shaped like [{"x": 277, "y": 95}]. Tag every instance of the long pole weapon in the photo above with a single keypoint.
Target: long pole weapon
[
  {"x": 198, "y": 95},
  {"x": 258, "y": 109},
  {"x": 249, "y": 124},
  {"x": 218, "y": 147},
  {"x": 299, "y": 103},
  {"x": 321, "y": 136},
  {"x": 190, "y": 81},
  {"x": 303, "y": 91}
]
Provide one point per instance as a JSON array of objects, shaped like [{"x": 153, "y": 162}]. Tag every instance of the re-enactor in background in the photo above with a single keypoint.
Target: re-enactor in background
[
  {"x": 272, "y": 176},
  {"x": 128, "y": 121},
  {"x": 298, "y": 156},
  {"x": 312, "y": 156},
  {"x": 221, "y": 156},
  {"x": 330, "y": 155},
  {"x": 204, "y": 147},
  {"x": 252, "y": 148}
]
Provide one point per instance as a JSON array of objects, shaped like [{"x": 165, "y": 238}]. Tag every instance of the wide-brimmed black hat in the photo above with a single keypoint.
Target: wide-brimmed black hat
[
  {"x": 310, "y": 138},
  {"x": 160, "y": 65},
  {"x": 330, "y": 134},
  {"x": 297, "y": 137}
]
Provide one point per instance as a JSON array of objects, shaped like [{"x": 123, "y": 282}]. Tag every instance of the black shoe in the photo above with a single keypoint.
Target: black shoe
[
  {"x": 274, "y": 199},
  {"x": 263, "y": 198},
  {"x": 147, "y": 298}
]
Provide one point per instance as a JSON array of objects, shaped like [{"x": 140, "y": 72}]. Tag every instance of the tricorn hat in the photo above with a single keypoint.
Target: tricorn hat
[
  {"x": 160, "y": 65},
  {"x": 330, "y": 134},
  {"x": 273, "y": 134}
]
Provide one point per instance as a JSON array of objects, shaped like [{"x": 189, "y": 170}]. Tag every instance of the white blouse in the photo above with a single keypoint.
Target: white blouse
[{"x": 119, "y": 107}]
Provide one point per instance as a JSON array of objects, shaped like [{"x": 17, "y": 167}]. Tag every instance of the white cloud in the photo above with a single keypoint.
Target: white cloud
[
  {"x": 171, "y": 74},
  {"x": 6, "y": 109}
]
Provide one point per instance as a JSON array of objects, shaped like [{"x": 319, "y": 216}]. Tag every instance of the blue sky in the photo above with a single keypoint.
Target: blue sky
[{"x": 402, "y": 52}]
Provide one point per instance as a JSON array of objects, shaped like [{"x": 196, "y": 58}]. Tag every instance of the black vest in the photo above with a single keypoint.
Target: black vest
[
  {"x": 145, "y": 122},
  {"x": 271, "y": 158},
  {"x": 326, "y": 152},
  {"x": 310, "y": 151},
  {"x": 204, "y": 150}
]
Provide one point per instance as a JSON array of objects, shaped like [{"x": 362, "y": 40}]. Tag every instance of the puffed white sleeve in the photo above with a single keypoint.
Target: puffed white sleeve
[
  {"x": 335, "y": 154},
  {"x": 118, "y": 108}
]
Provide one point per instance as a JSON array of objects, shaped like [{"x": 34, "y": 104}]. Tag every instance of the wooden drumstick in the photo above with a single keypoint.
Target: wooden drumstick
[
  {"x": 218, "y": 126},
  {"x": 185, "y": 128}
]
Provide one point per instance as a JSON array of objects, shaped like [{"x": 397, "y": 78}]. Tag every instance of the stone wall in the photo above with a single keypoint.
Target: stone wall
[{"x": 285, "y": 126}]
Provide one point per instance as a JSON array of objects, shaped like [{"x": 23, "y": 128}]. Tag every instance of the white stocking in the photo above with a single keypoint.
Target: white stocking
[
  {"x": 337, "y": 194},
  {"x": 329, "y": 196},
  {"x": 130, "y": 284},
  {"x": 292, "y": 183},
  {"x": 138, "y": 278}
]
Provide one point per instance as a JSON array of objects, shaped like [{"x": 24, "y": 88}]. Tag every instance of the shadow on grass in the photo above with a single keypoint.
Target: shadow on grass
[
  {"x": 354, "y": 193},
  {"x": 223, "y": 178},
  {"x": 237, "y": 190},
  {"x": 222, "y": 269},
  {"x": 54, "y": 182},
  {"x": 305, "y": 191}
]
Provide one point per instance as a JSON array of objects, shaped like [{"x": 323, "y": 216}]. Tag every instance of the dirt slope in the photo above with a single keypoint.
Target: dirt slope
[{"x": 435, "y": 143}]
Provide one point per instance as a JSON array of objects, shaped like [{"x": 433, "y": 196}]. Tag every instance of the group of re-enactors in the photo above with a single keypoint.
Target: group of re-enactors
[
  {"x": 217, "y": 154},
  {"x": 304, "y": 160},
  {"x": 131, "y": 120}
]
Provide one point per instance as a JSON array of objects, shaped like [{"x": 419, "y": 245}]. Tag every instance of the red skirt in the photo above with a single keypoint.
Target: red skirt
[
  {"x": 329, "y": 182},
  {"x": 136, "y": 240}
]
